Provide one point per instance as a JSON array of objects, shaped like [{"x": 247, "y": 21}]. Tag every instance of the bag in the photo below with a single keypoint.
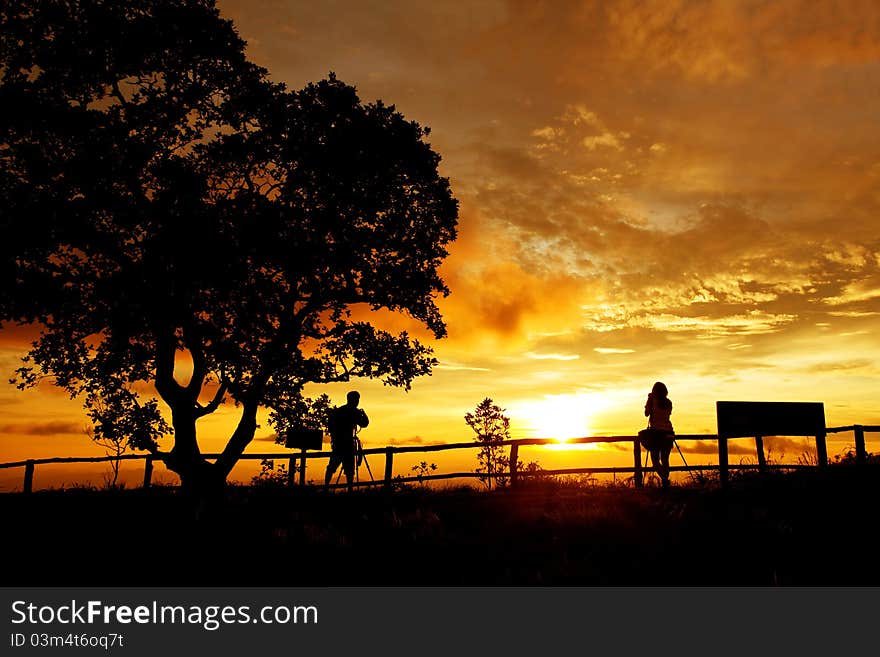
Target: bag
[
  {"x": 647, "y": 438},
  {"x": 340, "y": 427},
  {"x": 656, "y": 439},
  {"x": 335, "y": 425}
]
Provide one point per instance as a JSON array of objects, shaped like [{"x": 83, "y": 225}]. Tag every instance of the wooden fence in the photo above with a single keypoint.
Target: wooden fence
[{"x": 297, "y": 461}]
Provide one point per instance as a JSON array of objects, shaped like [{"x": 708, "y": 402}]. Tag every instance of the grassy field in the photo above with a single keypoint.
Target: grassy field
[{"x": 803, "y": 528}]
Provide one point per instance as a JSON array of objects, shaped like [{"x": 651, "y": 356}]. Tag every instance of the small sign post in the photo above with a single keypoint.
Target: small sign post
[
  {"x": 302, "y": 439},
  {"x": 746, "y": 419}
]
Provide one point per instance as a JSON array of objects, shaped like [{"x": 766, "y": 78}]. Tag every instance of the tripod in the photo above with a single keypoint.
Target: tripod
[{"x": 358, "y": 457}]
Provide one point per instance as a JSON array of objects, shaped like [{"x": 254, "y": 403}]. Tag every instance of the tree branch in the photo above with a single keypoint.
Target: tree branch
[
  {"x": 117, "y": 93},
  {"x": 200, "y": 366},
  {"x": 169, "y": 389},
  {"x": 240, "y": 439},
  {"x": 202, "y": 411}
]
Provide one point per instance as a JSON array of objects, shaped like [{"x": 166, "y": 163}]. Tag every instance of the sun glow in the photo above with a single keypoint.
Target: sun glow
[{"x": 562, "y": 417}]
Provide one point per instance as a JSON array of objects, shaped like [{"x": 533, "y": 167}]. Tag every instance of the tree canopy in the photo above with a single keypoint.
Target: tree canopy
[{"x": 159, "y": 194}]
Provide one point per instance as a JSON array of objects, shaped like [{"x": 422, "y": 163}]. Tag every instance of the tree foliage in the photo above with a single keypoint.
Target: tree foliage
[
  {"x": 492, "y": 427},
  {"x": 165, "y": 199}
]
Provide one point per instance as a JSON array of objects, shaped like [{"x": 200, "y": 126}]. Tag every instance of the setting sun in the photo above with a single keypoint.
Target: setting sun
[{"x": 561, "y": 416}]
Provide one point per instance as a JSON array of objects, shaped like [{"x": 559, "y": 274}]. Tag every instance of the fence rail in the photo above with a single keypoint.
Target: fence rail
[{"x": 297, "y": 461}]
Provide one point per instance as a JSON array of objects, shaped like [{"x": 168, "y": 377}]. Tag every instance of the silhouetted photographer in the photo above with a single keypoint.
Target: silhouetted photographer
[
  {"x": 344, "y": 423},
  {"x": 659, "y": 437}
]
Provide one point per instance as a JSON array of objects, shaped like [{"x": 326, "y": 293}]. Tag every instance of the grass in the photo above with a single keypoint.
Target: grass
[{"x": 801, "y": 528}]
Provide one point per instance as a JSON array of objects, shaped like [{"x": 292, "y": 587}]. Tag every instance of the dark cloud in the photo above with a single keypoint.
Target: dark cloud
[
  {"x": 57, "y": 428},
  {"x": 409, "y": 440}
]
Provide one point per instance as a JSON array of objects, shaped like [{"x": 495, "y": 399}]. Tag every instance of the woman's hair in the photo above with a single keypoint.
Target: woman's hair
[{"x": 660, "y": 392}]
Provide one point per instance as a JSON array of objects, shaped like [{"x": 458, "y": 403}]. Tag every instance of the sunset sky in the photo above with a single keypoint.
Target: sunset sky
[{"x": 669, "y": 190}]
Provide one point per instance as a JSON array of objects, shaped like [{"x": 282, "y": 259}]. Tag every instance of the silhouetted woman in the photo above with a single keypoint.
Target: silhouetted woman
[{"x": 658, "y": 408}]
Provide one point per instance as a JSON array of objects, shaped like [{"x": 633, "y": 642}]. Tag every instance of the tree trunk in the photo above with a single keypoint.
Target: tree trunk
[{"x": 200, "y": 482}]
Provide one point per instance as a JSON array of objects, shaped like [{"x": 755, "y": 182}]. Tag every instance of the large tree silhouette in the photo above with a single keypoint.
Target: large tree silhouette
[{"x": 160, "y": 196}]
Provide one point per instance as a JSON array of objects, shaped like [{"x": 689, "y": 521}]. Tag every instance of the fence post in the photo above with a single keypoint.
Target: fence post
[
  {"x": 759, "y": 447},
  {"x": 148, "y": 471},
  {"x": 821, "y": 450},
  {"x": 722, "y": 460},
  {"x": 389, "y": 466},
  {"x": 29, "y": 476},
  {"x": 291, "y": 471},
  {"x": 861, "y": 451},
  {"x": 514, "y": 455},
  {"x": 302, "y": 467},
  {"x": 637, "y": 461}
]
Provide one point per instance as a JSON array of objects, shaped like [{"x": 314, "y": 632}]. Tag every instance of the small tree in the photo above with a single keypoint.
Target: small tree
[
  {"x": 120, "y": 420},
  {"x": 114, "y": 447},
  {"x": 492, "y": 428}
]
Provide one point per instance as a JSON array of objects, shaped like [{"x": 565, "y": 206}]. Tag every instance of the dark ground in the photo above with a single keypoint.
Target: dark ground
[{"x": 796, "y": 529}]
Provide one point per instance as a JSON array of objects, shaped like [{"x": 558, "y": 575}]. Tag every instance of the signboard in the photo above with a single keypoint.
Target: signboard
[
  {"x": 304, "y": 438},
  {"x": 738, "y": 419}
]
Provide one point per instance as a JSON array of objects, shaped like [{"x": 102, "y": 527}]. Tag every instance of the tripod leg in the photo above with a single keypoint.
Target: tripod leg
[
  {"x": 681, "y": 455},
  {"x": 683, "y": 461}
]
